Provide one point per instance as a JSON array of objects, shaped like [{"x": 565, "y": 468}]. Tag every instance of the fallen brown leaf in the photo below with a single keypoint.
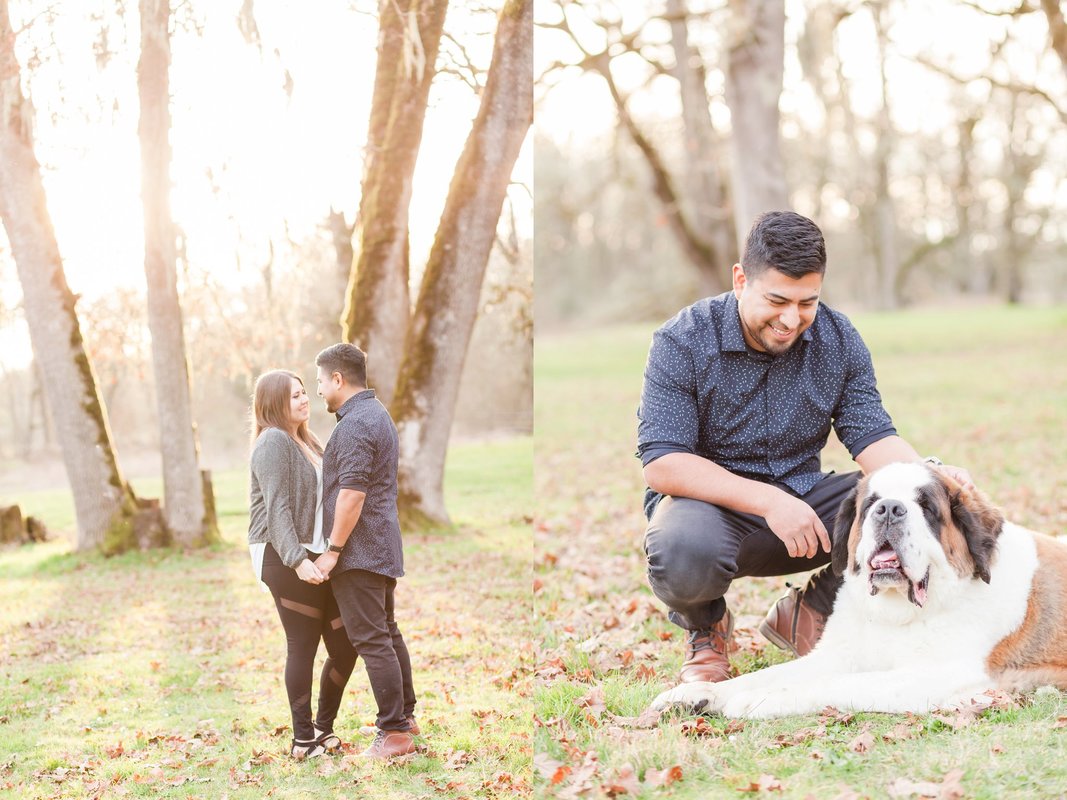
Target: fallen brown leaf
[
  {"x": 649, "y": 718},
  {"x": 831, "y": 714},
  {"x": 765, "y": 783},
  {"x": 550, "y": 769},
  {"x": 734, "y": 726},
  {"x": 862, "y": 743},
  {"x": 594, "y": 701},
  {"x": 645, "y": 673},
  {"x": 698, "y": 726},
  {"x": 624, "y": 782},
  {"x": 663, "y": 777}
]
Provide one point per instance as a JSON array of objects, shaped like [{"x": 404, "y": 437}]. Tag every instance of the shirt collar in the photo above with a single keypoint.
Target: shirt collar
[
  {"x": 350, "y": 403},
  {"x": 733, "y": 338}
]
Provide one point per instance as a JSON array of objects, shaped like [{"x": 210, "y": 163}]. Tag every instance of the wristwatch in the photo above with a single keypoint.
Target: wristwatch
[{"x": 333, "y": 548}]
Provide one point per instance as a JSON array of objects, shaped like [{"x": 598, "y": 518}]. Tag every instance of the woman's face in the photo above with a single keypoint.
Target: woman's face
[{"x": 299, "y": 407}]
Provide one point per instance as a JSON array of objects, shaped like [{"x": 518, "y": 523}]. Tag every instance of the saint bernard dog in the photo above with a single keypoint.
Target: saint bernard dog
[{"x": 942, "y": 600}]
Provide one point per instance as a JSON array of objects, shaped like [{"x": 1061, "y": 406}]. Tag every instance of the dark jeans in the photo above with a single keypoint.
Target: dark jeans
[
  {"x": 695, "y": 549},
  {"x": 366, "y": 603},
  {"x": 309, "y": 613}
]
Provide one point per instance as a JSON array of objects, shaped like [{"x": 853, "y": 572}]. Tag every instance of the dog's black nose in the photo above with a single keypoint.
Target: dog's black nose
[{"x": 890, "y": 510}]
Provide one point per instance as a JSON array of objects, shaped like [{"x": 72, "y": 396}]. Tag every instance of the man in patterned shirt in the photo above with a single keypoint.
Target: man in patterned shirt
[
  {"x": 365, "y": 554},
  {"x": 740, "y": 393}
]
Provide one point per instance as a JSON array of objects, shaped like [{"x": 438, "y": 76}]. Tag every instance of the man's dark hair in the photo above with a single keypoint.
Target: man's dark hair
[
  {"x": 785, "y": 241},
  {"x": 347, "y": 359}
]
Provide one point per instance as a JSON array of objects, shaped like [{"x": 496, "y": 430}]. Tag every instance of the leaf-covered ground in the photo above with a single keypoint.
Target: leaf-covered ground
[
  {"x": 160, "y": 674},
  {"x": 982, "y": 388}
]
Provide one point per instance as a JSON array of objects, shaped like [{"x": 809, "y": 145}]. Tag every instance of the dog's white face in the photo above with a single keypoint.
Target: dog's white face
[{"x": 909, "y": 526}]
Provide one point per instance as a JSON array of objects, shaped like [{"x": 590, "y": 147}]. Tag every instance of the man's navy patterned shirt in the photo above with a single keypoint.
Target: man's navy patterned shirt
[
  {"x": 763, "y": 417},
  {"x": 362, "y": 454}
]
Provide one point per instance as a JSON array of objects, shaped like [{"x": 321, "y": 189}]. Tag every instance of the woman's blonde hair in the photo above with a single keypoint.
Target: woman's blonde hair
[{"x": 270, "y": 407}]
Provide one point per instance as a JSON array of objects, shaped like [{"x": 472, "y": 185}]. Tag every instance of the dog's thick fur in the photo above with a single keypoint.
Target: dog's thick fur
[{"x": 942, "y": 600}]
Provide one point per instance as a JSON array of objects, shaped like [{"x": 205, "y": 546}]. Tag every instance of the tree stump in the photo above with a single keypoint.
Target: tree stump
[{"x": 15, "y": 528}]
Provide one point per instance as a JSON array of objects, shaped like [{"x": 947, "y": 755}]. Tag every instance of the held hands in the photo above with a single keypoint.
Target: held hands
[
  {"x": 308, "y": 571},
  {"x": 797, "y": 525},
  {"x": 326, "y": 562}
]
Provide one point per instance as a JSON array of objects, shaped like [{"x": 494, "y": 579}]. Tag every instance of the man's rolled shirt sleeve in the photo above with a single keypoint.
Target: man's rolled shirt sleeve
[
  {"x": 668, "y": 415},
  {"x": 356, "y": 463},
  {"x": 860, "y": 419}
]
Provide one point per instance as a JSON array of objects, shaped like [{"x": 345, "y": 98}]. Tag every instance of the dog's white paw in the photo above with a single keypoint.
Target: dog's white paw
[{"x": 693, "y": 698}]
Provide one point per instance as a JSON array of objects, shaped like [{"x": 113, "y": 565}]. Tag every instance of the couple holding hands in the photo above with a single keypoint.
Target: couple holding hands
[{"x": 324, "y": 536}]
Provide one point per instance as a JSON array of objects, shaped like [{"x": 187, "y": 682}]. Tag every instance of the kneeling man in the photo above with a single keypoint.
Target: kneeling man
[{"x": 740, "y": 393}]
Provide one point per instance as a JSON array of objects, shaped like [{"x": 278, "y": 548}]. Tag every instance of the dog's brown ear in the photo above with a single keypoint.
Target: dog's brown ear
[
  {"x": 979, "y": 522},
  {"x": 846, "y": 518}
]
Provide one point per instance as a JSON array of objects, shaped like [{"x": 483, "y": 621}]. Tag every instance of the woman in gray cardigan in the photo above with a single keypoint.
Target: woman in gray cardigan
[{"x": 285, "y": 538}]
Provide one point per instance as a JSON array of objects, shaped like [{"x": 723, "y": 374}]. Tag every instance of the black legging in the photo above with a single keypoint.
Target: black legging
[{"x": 308, "y": 613}]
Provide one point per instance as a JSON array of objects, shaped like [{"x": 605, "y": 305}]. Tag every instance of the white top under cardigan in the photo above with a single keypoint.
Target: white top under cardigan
[{"x": 318, "y": 541}]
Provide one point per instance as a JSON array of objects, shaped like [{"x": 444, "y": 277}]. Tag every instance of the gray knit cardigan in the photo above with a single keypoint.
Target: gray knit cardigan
[{"x": 283, "y": 492}]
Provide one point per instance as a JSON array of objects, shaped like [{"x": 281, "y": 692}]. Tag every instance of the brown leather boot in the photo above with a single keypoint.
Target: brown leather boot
[
  {"x": 792, "y": 625},
  {"x": 390, "y": 744},
  {"x": 705, "y": 653},
  {"x": 413, "y": 728}
]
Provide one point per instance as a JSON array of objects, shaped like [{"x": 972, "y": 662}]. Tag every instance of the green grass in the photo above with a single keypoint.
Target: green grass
[
  {"x": 160, "y": 674},
  {"x": 982, "y": 388}
]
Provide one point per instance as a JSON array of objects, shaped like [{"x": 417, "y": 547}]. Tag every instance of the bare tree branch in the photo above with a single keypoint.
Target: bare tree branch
[
  {"x": 1022, "y": 9},
  {"x": 1011, "y": 86}
]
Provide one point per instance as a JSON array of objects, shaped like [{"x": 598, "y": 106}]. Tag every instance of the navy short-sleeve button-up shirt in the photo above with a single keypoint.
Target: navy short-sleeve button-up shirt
[
  {"x": 362, "y": 454},
  {"x": 760, "y": 416}
]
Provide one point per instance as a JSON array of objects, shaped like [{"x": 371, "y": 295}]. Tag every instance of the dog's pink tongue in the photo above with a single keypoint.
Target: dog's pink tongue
[{"x": 885, "y": 559}]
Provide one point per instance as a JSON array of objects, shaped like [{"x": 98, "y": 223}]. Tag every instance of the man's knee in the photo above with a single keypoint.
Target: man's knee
[{"x": 690, "y": 555}]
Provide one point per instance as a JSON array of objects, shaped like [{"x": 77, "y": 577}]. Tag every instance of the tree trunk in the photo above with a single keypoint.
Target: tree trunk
[
  {"x": 448, "y": 298},
  {"x": 1057, "y": 29},
  {"x": 183, "y": 496},
  {"x": 377, "y": 303},
  {"x": 755, "y": 65},
  {"x": 704, "y": 186},
  {"x": 887, "y": 253},
  {"x": 975, "y": 278},
  {"x": 103, "y": 501}
]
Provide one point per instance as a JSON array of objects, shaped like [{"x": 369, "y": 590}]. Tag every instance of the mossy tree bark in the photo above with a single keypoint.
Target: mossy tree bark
[
  {"x": 755, "y": 66},
  {"x": 451, "y": 286},
  {"x": 103, "y": 501},
  {"x": 183, "y": 495},
  {"x": 378, "y": 303}
]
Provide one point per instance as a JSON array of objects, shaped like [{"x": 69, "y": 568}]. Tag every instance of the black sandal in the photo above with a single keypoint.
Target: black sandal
[
  {"x": 301, "y": 750},
  {"x": 328, "y": 740}
]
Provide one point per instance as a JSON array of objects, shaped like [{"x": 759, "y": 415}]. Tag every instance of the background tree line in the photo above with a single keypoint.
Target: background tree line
[
  {"x": 288, "y": 311},
  {"x": 927, "y": 139}
]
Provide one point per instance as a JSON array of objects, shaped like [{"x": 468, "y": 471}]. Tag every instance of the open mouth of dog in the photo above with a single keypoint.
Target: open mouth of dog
[{"x": 887, "y": 572}]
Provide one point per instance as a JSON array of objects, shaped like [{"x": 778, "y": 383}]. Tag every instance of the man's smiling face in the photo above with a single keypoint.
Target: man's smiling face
[{"x": 776, "y": 309}]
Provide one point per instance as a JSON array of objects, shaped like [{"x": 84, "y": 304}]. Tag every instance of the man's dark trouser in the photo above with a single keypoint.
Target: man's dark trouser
[
  {"x": 695, "y": 549},
  {"x": 366, "y": 603}
]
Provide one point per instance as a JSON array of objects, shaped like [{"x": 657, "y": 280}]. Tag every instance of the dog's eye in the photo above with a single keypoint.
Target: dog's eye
[{"x": 870, "y": 501}]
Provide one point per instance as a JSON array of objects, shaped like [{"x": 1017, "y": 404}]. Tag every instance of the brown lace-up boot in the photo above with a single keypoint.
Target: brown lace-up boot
[
  {"x": 390, "y": 744},
  {"x": 792, "y": 625},
  {"x": 705, "y": 653}
]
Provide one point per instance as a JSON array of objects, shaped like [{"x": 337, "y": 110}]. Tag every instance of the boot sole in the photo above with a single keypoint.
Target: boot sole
[{"x": 775, "y": 638}]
